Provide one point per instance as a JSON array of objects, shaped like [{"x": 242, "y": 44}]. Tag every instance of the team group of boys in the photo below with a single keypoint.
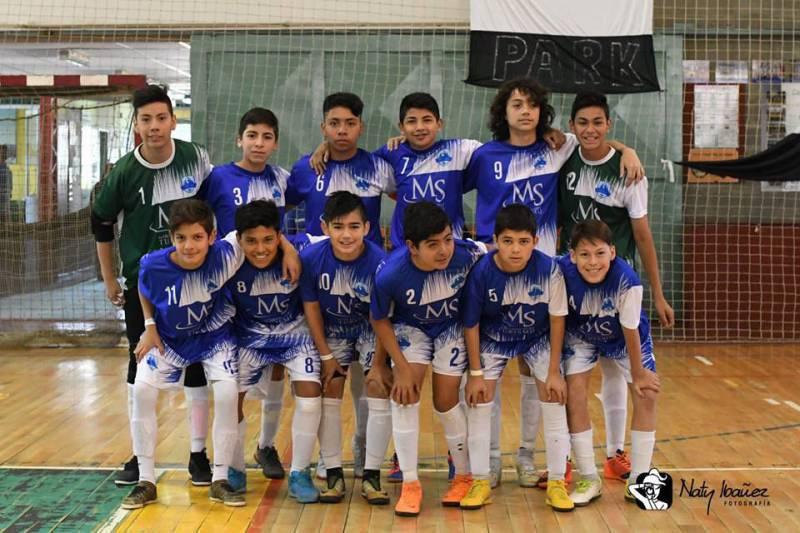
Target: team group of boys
[{"x": 216, "y": 293}]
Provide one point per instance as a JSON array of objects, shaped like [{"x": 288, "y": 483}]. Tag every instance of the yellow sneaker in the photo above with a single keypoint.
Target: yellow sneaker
[
  {"x": 480, "y": 493},
  {"x": 557, "y": 496},
  {"x": 458, "y": 489},
  {"x": 410, "y": 499}
]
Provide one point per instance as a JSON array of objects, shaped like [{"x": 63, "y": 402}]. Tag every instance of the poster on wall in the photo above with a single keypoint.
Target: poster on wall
[
  {"x": 731, "y": 72},
  {"x": 716, "y": 116},
  {"x": 696, "y": 71}
]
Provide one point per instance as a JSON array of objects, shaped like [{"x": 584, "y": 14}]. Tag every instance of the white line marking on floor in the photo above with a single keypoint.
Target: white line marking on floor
[
  {"x": 771, "y": 401},
  {"x": 792, "y": 405},
  {"x": 598, "y": 396},
  {"x": 113, "y": 521},
  {"x": 703, "y": 360}
]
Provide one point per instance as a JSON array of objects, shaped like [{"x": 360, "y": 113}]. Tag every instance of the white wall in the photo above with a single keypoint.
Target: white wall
[{"x": 217, "y": 13}]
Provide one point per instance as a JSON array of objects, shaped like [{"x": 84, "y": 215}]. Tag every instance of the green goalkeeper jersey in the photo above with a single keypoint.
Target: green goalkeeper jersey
[
  {"x": 594, "y": 190},
  {"x": 138, "y": 195}
]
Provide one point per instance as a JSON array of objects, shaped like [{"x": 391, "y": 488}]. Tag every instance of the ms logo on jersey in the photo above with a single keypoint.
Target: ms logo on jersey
[
  {"x": 443, "y": 158},
  {"x": 362, "y": 184},
  {"x": 276, "y": 194},
  {"x": 603, "y": 189},
  {"x": 403, "y": 342},
  {"x": 152, "y": 363},
  {"x": 457, "y": 281},
  {"x": 211, "y": 286},
  {"x": 426, "y": 189},
  {"x": 607, "y": 308},
  {"x": 540, "y": 163},
  {"x": 360, "y": 290},
  {"x": 188, "y": 184},
  {"x": 535, "y": 291}
]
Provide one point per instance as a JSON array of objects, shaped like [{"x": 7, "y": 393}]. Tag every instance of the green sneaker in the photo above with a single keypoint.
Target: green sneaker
[
  {"x": 335, "y": 491},
  {"x": 142, "y": 494},
  {"x": 371, "y": 488},
  {"x": 222, "y": 492}
]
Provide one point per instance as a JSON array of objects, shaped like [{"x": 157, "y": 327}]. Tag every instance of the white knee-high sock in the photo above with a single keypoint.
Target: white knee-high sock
[
  {"x": 614, "y": 393},
  {"x": 330, "y": 432},
  {"x": 131, "y": 388},
  {"x": 479, "y": 421},
  {"x": 305, "y": 425},
  {"x": 584, "y": 453},
  {"x": 225, "y": 428},
  {"x": 238, "y": 455},
  {"x": 530, "y": 412},
  {"x": 359, "y": 403},
  {"x": 556, "y": 439},
  {"x": 496, "y": 416},
  {"x": 144, "y": 428},
  {"x": 197, "y": 398},
  {"x": 454, "y": 423},
  {"x": 642, "y": 443},
  {"x": 270, "y": 413},
  {"x": 379, "y": 431},
  {"x": 405, "y": 430}
]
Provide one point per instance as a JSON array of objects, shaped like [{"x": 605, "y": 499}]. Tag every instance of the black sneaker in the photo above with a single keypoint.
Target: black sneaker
[
  {"x": 270, "y": 463},
  {"x": 200, "y": 469},
  {"x": 129, "y": 475}
]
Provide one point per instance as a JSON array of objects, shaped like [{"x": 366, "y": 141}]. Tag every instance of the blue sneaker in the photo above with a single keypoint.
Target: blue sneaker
[
  {"x": 451, "y": 468},
  {"x": 237, "y": 480},
  {"x": 302, "y": 488},
  {"x": 395, "y": 474}
]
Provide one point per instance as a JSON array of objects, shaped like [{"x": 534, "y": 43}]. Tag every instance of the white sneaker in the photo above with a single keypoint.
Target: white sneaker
[
  {"x": 526, "y": 472},
  {"x": 495, "y": 471},
  {"x": 586, "y": 490}
]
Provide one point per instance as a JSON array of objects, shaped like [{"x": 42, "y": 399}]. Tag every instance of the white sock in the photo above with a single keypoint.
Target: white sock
[
  {"x": 144, "y": 429},
  {"x": 197, "y": 398},
  {"x": 530, "y": 412},
  {"x": 583, "y": 452},
  {"x": 479, "y": 421},
  {"x": 642, "y": 443},
  {"x": 495, "y": 421},
  {"x": 614, "y": 394},
  {"x": 556, "y": 439},
  {"x": 270, "y": 413},
  {"x": 379, "y": 431},
  {"x": 131, "y": 388},
  {"x": 359, "y": 403},
  {"x": 238, "y": 455},
  {"x": 305, "y": 425},
  {"x": 405, "y": 430},
  {"x": 330, "y": 432},
  {"x": 224, "y": 430},
  {"x": 454, "y": 423}
]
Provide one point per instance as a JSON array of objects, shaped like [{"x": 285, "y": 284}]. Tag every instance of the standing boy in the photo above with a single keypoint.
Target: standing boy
[
  {"x": 187, "y": 320},
  {"x": 606, "y": 320},
  {"x": 416, "y": 314},
  {"x": 336, "y": 284},
  {"x": 590, "y": 187},
  {"x": 137, "y": 194}
]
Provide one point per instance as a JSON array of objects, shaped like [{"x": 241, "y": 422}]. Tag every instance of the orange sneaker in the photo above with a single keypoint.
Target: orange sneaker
[
  {"x": 542, "y": 481},
  {"x": 459, "y": 488},
  {"x": 617, "y": 467},
  {"x": 410, "y": 499}
]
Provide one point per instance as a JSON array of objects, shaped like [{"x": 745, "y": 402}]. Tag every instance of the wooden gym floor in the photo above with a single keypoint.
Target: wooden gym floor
[{"x": 727, "y": 414}]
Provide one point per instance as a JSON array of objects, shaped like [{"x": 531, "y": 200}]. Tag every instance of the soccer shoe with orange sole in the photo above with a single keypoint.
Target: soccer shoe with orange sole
[
  {"x": 617, "y": 467},
  {"x": 459, "y": 488},
  {"x": 557, "y": 496},
  {"x": 542, "y": 481},
  {"x": 480, "y": 494},
  {"x": 410, "y": 499}
]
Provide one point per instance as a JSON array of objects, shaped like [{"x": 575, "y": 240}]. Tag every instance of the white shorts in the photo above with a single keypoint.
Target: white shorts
[
  {"x": 303, "y": 365},
  {"x": 537, "y": 357},
  {"x": 166, "y": 371},
  {"x": 349, "y": 351},
  {"x": 447, "y": 351},
  {"x": 580, "y": 356}
]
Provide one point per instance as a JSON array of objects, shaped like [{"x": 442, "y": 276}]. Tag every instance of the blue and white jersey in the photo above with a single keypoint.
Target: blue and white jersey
[
  {"x": 192, "y": 309},
  {"x": 267, "y": 308},
  {"x": 599, "y": 311},
  {"x": 365, "y": 175},
  {"x": 434, "y": 175},
  {"x": 514, "y": 310},
  {"x": 504, "y": 174},
  {"x": 342, "y": 288},
  {"x": 429, "y": 301},
  {"x": 230, "y": 186}
]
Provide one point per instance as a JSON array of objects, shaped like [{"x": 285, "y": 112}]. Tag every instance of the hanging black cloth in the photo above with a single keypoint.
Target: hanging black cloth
[{"x": 780, "y": 162}]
